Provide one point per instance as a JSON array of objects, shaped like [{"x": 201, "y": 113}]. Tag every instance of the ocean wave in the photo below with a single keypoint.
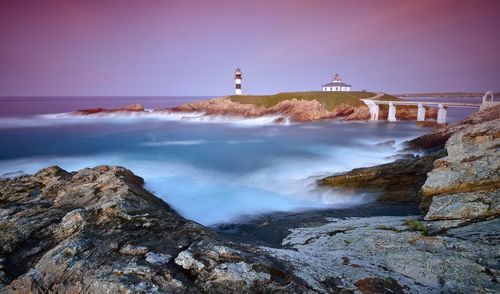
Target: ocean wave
[
  {"x": 43, "y": 120},
  {"x": 174, "y": 143},
  {"x": 215, "y": 196},
  {"x": 234, "y": 142}
]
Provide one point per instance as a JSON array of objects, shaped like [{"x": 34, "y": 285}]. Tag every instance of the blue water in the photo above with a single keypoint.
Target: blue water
[{"x": 211, "y": 171}]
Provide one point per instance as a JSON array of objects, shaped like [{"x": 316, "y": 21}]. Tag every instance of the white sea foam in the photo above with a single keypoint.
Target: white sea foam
[
  {"x": 174, "y": 143},
  {"x": 131, "y": 117},
  {"x": 212, "y": 197},
  {"x": 297, "y": 177},
  {"x": 234, "y": 142}
]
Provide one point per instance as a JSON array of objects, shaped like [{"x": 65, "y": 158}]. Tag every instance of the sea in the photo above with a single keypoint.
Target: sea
[{"x": 212, "y": 170}]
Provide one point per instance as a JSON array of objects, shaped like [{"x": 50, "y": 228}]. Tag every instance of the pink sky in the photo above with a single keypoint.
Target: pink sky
[{"x": 106, "y": 47}]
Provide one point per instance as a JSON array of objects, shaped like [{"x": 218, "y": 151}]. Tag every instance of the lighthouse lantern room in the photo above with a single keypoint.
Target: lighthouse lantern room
[{"x": 237, "y": 79}]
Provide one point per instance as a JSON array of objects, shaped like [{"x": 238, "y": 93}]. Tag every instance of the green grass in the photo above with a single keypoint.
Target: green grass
[
  {"x": 329, "y": 99},
  {"x": 417, "y": 226}
]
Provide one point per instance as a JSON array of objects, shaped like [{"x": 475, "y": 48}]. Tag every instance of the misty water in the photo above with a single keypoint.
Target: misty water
[{"x": 213, "y": 170}]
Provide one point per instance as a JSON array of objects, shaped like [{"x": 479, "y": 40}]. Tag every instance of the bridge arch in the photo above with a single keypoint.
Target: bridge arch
[
  {"x": 489, "y": 100},
  {"x": 488, "y": 97}
]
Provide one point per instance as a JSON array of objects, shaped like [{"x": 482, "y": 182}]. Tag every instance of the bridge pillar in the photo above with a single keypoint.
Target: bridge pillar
[
  {"x": 441, "y": 118},
  {"x": 372, "y": 107},
  {"x": 374, "y": 111},
  {"x": 421, "y": 112},
  {"x": 392, "y": 112}
]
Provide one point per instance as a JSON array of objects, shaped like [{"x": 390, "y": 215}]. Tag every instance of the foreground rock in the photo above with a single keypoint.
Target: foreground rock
[
  {"x": 398, "y": 181},
  {"x": 99, "y": 231},
  {"x": 466, "y": 183},
  {"x": 391, "y": 255}
]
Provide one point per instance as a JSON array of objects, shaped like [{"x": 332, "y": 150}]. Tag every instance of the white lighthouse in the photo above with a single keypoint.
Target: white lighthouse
[{"x": 237, "y": 79}]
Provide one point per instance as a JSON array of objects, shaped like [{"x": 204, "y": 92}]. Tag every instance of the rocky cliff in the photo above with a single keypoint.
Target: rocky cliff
[
  {"x": 294, "y": 109},
  {"x": 98, "y": 231},
  {"x": 466, "y": 183}
]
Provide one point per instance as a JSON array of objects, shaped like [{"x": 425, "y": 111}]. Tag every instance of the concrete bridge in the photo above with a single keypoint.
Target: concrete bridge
[{"x": 374, "y": 107}]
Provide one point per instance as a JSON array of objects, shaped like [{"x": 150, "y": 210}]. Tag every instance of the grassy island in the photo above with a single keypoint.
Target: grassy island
[{"x": 329, "y": 99}]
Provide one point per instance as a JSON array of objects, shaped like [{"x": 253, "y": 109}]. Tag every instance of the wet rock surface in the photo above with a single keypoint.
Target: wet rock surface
[
  {"x": 97, "y": 230},
  {"x": 398, "y": 181}
]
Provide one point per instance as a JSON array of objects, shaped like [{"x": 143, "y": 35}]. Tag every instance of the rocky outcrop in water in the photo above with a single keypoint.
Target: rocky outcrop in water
[
  {"x": 98, "y": 231},
  {"x": 467, "y": 180},
  {"x": 398, "y": 181},
  {"x": 294, "y": 109},
  {"x": 220, "y": 106},
  {"x": 128, "y": 108}
]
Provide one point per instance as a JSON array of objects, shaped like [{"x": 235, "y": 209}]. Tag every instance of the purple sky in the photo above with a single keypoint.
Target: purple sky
[{"x": 106, "y": 47}]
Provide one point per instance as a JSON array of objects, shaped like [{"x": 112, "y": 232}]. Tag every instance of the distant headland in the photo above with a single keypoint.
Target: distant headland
[{"x": 286, "y": 106}]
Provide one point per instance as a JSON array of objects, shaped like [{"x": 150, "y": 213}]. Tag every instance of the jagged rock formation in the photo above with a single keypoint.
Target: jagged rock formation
[
  {"x": 294, "y": 109},
  {"x": 128, "y": 108},
  {"x": 220, "y": 106},
  {"x": 97, "y": 230},
  {"x": 398, "y": 181},
  {"x": 466, "y": 183}
]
